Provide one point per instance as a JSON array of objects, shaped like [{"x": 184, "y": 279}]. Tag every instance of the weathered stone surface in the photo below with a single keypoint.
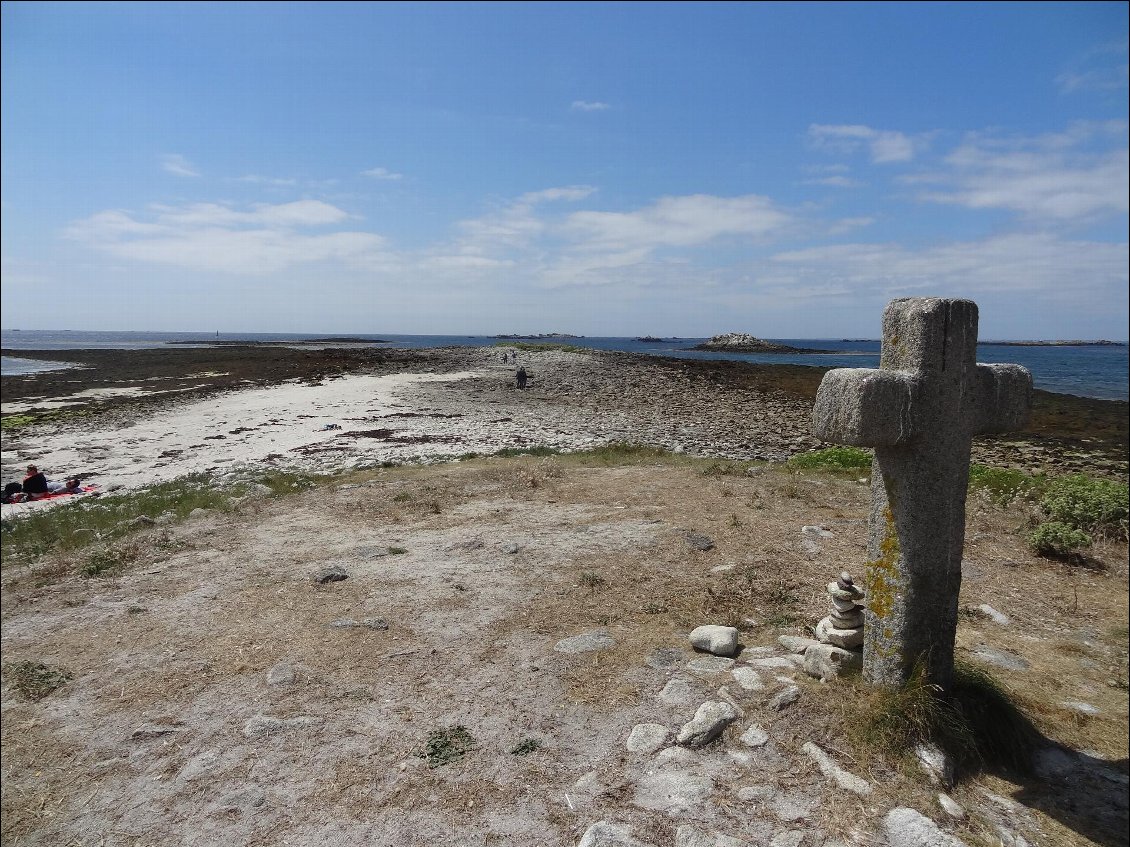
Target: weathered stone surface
[
  {"x": 951, "y": 807},
  {"x": 586, "y": 642},
  {"x": 935, "y": 763},
  {"x": 828, "y": 766},
  {"x": 718, "y": 640},
  {"x": 712, "y": 717},
  {"x": 647, "y": 737},
  {"x": 848, "y": 639},
  {"x": 998, "y": 618},
  {"x": 260, "y": 725},
  {"x": 280, "y": 674},
  {"x": 148, "y": 731},
  {"x": 331, "y": 574},
  {"x": 748, "y": 679},
  {"x": 710, "y": 664},
  {"x": 795, "y": 643},
  {"x": 1000, "y": 658},
  {"x": 785, "y": 697},
  {"x": 665, "y": 658},
  {"x": 678, "y": 692},
  {"x": 605, "y": 834},
  {"x": 755, "y": 736},
  {"x": 908, "y": 828},
  {"x": 827, "y": 662},
  {"x": 919, "y": 411},
  {"x": 689, "y": 835}
]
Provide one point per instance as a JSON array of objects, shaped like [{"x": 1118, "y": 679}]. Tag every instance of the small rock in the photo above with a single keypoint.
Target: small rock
[
  {"x": 951, "y": 807},
  {"x": 787, "y": 808},
  {"x": 1008, "y": 838},
  {"x": 796, "y": 644},
  {"x": 343, "y": 623},
  {"x": 997, "y": 617},
  {"x": 712, "y": 717},
  {"x": 331, "y": 574},
  {"x": 849, "y": 639},
  {"x": 1080, "y": 707},
  {"x": 510, "y": 548},
  {"x": 908, "y": 828},
  {"x": 783, "y": 698},
  {"x": 827, "y": 662},
  {"x": 937, "y": 765},
  {"x": 586, "y": 642},
  {"x": 828, "y": 766},
  {"x": 148, "y": 731},
  {"x": 280, "y": 674},
  {"x": 755, "y": 736},
  {"x": 757, "y": 793},
  {"x": 718, "y": 640},
  {"x": 196, "y": 514},
  {"x": 700, "y": 542},
  {"x": 816, "y": 532},
  {"x": 647, "y": 737},
  {"x": 143, "y": 520}
]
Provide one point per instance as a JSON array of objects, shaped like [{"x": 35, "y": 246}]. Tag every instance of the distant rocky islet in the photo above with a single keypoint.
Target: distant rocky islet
[{"x": 741, "y": 342}]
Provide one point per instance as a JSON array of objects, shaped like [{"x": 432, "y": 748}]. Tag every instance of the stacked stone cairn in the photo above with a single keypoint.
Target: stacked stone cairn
[{"x": 844, "y": 627}]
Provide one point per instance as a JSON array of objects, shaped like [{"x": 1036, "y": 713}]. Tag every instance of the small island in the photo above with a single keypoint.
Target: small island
[
  {"x": 741, "y": 342},
  {"x": 539, "y": 337},
  {"x": 650, "y": 339}
]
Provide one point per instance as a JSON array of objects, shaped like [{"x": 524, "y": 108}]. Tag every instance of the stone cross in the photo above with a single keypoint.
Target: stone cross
[{"x": 920, "y": 411}]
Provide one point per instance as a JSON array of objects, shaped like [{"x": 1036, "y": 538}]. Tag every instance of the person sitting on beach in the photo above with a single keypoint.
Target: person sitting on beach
[
  {"x": 521, "y": 377},
  {"x": 35, "y": 483}
]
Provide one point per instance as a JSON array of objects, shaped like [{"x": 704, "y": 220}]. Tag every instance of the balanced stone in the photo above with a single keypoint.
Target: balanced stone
[
  {"x": 919, "y": 410},
  {"x": 843, "y": 628}
]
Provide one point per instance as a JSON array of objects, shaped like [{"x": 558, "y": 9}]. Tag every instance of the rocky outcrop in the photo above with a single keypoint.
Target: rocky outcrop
[{"x": 742, "y": 342}]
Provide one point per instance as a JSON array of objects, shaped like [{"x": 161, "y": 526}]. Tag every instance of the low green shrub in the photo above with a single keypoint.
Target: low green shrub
[
  {"x": 832, "y": 458},
  {"x": 1057, "y": 540},
  {"x": 1094, "y": 506}
]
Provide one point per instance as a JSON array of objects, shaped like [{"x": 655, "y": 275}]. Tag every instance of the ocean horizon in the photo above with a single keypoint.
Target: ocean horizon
[{"x": 1088, "y": 370}]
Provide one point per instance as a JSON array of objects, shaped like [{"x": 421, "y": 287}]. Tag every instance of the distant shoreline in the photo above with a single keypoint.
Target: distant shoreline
[{"x": 1053, "y": 343}]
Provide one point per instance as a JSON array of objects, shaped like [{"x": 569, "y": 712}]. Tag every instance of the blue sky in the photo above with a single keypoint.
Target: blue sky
[{"x": 598, "y": 169}]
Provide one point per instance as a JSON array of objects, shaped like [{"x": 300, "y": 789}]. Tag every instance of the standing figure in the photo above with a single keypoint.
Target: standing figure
[{"x": 521, "y": 377}]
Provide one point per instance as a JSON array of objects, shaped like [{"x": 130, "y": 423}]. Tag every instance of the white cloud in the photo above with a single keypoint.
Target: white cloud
[
  {"x": 382, "y": 173},
  {"x": 216, "y": 237},
  {"x": 1103, "y": 68},
  {"x": 1016, "y": 263},
  {"x": 836, "y": 181},
  {"x": 589, "y": 106},
  {"x": 267, "y": 180},
  {"x": 883, "y": 145},
  {"x": 1052, "y": 178},
  {"x": 176, "y": 164}
]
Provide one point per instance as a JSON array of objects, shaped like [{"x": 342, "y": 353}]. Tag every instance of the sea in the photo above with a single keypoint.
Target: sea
[{"x": 1099, "y": 371}]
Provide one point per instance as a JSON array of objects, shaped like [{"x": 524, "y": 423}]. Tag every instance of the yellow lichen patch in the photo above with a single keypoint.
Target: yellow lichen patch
[{"x": 881, "y": 580}]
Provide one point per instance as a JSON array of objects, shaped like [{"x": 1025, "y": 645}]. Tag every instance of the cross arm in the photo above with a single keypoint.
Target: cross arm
[
  {"x": 865, "y": 407},
  {"x": 1002, "y": 398}
]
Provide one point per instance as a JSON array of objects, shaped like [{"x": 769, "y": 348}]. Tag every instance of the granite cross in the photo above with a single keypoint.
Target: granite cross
[{"x": 919, "y": 410}]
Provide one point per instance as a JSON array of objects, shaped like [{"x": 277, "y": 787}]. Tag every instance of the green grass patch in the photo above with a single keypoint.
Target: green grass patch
[
  {"x": 512, "y": 452},
  {"x": 34, "y": 680},
  {"x": 1094, "y": 506},
  {"x": 1003, "y": 485},
  {"x": 832, "y": 459},
  {"x": 1056, "y": 540},
  {"x": 11, "y": 423},
  {"x": 447, "y": 745},
  {"x": 88, "y": 520}
]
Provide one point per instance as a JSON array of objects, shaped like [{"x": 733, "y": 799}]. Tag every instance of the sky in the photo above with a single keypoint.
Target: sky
[{"x": 600, "y": 169}]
